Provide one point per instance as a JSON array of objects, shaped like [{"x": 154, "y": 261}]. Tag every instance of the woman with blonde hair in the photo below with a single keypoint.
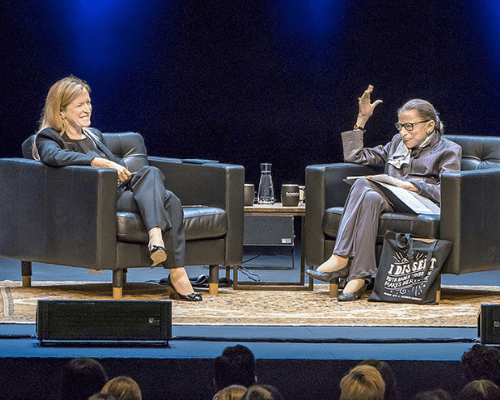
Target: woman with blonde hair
[
  {"x": 391, "y": 387},
  {"x": 122, "y": 388},
  {"x": 363, "y": 382},
  {"x": 66, "y": 138},
  {"x": 233, "y": 392}
]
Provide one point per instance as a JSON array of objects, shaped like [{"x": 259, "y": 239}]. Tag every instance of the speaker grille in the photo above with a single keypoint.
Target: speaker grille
[
  {"x": 104, "y": 320},
  {"x": 489, "y": 323}
]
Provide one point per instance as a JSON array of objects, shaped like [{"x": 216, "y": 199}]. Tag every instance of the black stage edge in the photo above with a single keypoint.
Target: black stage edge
[{"x": 303, "y": 362}]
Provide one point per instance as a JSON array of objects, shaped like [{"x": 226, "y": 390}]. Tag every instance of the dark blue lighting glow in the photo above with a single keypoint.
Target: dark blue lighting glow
[
  {"x": 102, "y": 38},
  {"x": 98, "y": 5},
  {"x": 316, "y": 19},
  {"x": 489, "y": 19},
  {"x": 309, "y": 33}
]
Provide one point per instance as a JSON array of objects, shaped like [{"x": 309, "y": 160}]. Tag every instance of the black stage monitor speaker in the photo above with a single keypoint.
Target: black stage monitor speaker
[
  {"x": 104, "y": 321},
  {"x": 489, "y": 324},
  {"x": 266, "y": 230}
]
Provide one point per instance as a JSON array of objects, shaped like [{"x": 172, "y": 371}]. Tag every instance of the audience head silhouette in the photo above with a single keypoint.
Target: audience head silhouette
[
  {"x": 236, "y": 366},
  {"x": 102, "y": 396},
  {"x": 82, "y": 378},
  {"x": 233, "y": 392},
  {"x": 482, "y": 362},
  {"x": 363, "y": 382},
  {"x": 437, "y": 394},
  {"x": 262, "y": 392},
  {"x": 480, "y": 390},
  {"x": 391, "y": 388},
  {"x": 123, "y": 388}
]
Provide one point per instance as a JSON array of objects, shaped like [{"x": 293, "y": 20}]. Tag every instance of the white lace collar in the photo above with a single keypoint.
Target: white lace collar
[{"x": 401, "y": 156}]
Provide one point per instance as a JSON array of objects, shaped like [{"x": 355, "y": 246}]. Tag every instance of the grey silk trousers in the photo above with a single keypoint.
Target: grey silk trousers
[
  {"x": 358, "y": 228},
  {"x": 158, "y": 207}
]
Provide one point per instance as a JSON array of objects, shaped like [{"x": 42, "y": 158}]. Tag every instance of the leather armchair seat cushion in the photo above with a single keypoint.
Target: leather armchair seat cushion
[
  {"x": 200, "y": 222},
  {"x": 422, "y": 225}
]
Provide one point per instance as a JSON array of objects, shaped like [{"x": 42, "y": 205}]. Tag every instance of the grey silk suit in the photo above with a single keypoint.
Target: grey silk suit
[{"x": 422, "y": 166}]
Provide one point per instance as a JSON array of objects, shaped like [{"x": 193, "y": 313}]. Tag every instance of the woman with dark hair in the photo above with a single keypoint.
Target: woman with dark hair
[
  {"x": 262, "y": 392},
  {"x": 235, "y": 366},
  {"x": 436, "y": 394},
  {"x": 65, "y": 138},
  {"x": 415, "y": 158},
  {"x": 81, "y": 378},
  {"x": 482, "y": 362}
]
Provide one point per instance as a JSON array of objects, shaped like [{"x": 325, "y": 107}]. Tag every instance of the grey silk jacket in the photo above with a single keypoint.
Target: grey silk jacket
[{"x": 425, "y": 166}]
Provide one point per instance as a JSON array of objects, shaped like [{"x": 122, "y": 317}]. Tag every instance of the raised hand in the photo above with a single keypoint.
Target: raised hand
[{"x": 366, "y": 107}]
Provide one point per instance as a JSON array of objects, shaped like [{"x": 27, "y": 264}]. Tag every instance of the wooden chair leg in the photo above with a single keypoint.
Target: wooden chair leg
[
  {"x": 117, "y": 293},
  {"x": 334, "y": 288},
  {"x": 438, "y": 293},
  {"x": 118, "y": 276},
  {"x": 26, "y": 273},
  {"x": 213, "y": 279}
]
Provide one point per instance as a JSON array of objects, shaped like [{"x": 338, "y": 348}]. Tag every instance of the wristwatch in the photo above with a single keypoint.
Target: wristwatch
[{"x": 359, "y": 128}]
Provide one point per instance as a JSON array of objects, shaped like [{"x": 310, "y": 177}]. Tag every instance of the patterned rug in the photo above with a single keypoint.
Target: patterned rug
[{"x": 458, "y": 308}]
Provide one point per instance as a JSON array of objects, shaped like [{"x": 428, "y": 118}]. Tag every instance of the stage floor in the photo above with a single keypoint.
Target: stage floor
[
  {"x": 290, "y": 357},
  {"x": 310, "y": 343},
  {"x": 270, "y": 342}
]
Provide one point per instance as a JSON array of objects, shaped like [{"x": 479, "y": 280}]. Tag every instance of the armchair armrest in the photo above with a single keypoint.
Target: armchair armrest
[
  {"x": 210, "y": 184},
  {"x": 325, "y": 188},
  {"x": 470, "y": 215},
  {"x": 57, "y": 215}
]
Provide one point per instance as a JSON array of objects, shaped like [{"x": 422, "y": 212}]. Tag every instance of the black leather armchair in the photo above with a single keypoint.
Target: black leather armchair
[
  {"x": 68, "y": 216},
  {"x": 470, "y": 210}
]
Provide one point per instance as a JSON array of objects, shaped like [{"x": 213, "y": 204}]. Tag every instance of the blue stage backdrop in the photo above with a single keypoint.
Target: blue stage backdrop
[{"x": 251, "y": 81}]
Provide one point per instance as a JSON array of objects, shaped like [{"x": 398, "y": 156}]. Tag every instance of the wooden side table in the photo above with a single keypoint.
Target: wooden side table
[{"x": 277, "y": 210}]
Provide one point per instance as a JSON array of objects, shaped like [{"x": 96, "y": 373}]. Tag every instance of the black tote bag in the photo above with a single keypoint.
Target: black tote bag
[{"x": 409, "y": 269}]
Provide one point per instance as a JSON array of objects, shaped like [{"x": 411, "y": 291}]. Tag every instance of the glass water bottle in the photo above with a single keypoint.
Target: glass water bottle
[{"x": 266, "y": 190}]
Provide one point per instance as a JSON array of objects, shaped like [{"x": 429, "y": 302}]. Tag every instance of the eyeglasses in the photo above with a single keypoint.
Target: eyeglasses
[{"x": 409, "y": 126}]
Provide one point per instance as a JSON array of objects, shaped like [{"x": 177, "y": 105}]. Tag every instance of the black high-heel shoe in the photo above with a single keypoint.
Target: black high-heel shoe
[
  {"x": 329, "y": 276},
  {"x": 158, "y": 254},
  {"x": 352, "y": 296},
  {"x": 174, "y": 294}
]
